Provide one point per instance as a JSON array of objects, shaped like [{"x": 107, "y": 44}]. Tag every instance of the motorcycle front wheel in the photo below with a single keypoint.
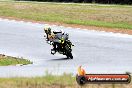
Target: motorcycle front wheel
[{"x": 69, "y": 55}]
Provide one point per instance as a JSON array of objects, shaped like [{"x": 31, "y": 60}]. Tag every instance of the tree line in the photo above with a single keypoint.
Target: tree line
[{"x": 90, "y": 1}]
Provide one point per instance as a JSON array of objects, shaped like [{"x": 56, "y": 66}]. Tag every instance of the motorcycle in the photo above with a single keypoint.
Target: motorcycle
[{"x": 63, "y": 46}]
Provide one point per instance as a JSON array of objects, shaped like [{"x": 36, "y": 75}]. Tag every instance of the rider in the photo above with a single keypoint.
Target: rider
[
  {"x": 47, "y": 30},
  {"x": 54, "y": 37}
]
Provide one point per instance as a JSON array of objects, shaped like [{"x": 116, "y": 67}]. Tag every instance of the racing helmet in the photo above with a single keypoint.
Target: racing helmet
[{"x": 47, "y": 28}]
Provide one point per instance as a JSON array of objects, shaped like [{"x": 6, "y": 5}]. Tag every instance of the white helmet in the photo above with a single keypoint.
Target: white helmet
[{"x": 46, "y": 27}]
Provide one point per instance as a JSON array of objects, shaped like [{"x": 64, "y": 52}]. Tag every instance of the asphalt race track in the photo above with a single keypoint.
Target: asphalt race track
[{"x": 97, "y": 52}]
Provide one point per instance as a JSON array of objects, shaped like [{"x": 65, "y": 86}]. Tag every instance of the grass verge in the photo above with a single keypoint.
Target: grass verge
[
  {"x": 50, "y": 81},
  {"x": 111, "y": 16},
  {"x": 8, "y": 60}
]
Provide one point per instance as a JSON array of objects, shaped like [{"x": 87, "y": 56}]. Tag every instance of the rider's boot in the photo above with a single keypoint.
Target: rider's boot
[{"x": 53, "y": 51}]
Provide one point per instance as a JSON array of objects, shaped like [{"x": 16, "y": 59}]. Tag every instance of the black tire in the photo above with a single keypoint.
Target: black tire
[
  {"x": 69, "y": 56},
  {"x": 68, "y": 51}
]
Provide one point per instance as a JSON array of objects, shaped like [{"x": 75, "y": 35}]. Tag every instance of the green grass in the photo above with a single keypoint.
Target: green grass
[
  {"x": 111, "y": 16},
  {"x": 50, "y": 81},
  {"x": 8, "y": 60}
]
